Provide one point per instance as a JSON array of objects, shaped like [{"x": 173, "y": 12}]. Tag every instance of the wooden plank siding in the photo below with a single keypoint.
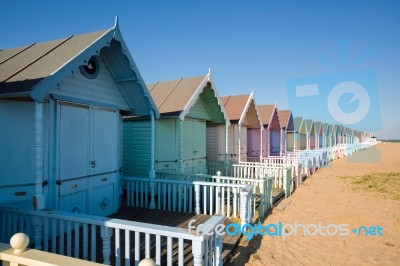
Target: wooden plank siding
[
  {"x": 136, "y": 148},
  {"x": 102, "y": 89}
]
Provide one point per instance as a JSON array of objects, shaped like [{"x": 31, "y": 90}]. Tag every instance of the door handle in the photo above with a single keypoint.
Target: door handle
[{"x": 93, "y": 164}]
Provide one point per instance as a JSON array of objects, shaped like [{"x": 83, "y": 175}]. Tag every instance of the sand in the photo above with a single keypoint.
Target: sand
[{"x": 329, "y": 198}]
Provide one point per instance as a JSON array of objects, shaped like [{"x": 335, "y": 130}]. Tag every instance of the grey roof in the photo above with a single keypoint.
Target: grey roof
[
  {"x": 33, "y": 70},
  {"x": 176, "y": 97},
  {"x": 23, "y": 67},
  {"x": 298, "y": 121},
  {"x": 324, "y": 127},
  {"x": 317, "y": 126},
  {"x": 309, "y": 124},
  {"x": 173, "y": 96}
]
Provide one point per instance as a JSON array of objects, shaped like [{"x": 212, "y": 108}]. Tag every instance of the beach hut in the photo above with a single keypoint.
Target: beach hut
[
  {"x": 318, "y": 130},
  {"x": 328, "y": 135},
  {"x": 272, "y": 130},
  {"x": 245, "y": 120},
  {"x": 287, "y": 129},
  {"x": 301, "y": 134},
  {"x": 312, "y": 134},
  {"x": 339, "y": 134},
  {"x": 189, "y": 107},
  {"x": 322, "y": 136},
  {"x": 62, "y": 103},
  {"x": 361, "y": 136},
  {"x": 333, "y": 132}
]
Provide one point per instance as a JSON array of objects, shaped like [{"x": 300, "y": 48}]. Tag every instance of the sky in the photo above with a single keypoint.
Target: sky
[{"x": 273, "y": 48}]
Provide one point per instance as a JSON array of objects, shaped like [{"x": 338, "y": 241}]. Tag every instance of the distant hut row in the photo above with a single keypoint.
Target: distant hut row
[{"x": 79, "y": 125}]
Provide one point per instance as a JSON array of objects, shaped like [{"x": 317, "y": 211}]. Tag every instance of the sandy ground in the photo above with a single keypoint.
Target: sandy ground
[{"x": 328, "y": 198}]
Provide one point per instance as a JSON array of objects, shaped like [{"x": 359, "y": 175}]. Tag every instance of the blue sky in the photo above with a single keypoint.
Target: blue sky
[{"x": 249, "y": 45}]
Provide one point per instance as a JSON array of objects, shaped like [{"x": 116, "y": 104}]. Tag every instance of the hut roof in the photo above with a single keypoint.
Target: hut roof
[
  {"x": 300, "y": 126},
  {"x": 284, "y": 116},
  {"x": 318, "y": 127},
  {"x": 266, "y": 112},
  {"x": 310, "y": 125},
  {"x": 241, "y": 109},
  {"x": 33, "y": 70},
  {"x": 176, "y": 97}
]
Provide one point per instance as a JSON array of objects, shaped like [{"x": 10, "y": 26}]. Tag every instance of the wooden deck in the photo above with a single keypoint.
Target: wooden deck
[{"x": 174, "y": 219}]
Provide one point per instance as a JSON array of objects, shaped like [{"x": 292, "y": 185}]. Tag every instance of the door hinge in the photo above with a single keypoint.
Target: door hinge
[
  {"x": 58, "y": 182},
  {"x": 45, "y": 183}
]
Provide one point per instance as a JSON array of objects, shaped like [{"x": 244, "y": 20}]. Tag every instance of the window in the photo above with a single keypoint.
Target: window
[{"x": 91, "y": 70}]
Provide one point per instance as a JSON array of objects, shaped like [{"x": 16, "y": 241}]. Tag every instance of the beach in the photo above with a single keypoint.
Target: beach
[{"x": 342, "y": 193}]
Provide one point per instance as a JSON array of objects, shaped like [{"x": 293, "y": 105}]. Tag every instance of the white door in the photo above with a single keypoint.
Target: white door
[
  {"x": 87, "y": 152},
  {"x": 103, "y": 164},
  {"x": 243, "y": 144},
  {"x": 73, "y": 154}
]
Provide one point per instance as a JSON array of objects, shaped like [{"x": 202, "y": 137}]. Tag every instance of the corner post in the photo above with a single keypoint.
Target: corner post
[
  {"x": 218, "y": 250},
  {"x": 180, "y": 134},
  {"x": 106, "y": 234},
  {"x": 197, "y": 198},
  {"x": 245, "y": 207},
  {"x": 263, "y": 186},
  {"x": 261, "y": 142},
  {"x": 226, "y": 147},
  {"x": 38, "y": 198},
  {"x": 152, "y": 173},
  {"x": 37, "y": 223},
  {"x": 239, "y": 146},
  {"x": 198, "y": 252}
]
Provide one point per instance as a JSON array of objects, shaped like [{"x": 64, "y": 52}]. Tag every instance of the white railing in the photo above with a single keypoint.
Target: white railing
[
  {"x": 214, "y": 167},
  {"x": 37, "y": 257},
  {"x": 183, "y": 177},
  {"x": 111, "y": 241},
  {"x": 257, "y": 170},
  {"x": 187, "y": 196},
  {"x": 262, "y": 191},
  {"x": 253, "y": 159}
]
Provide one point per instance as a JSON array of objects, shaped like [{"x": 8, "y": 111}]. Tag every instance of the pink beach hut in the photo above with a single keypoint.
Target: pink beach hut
[
  {"x": 245, "y": 119},
  {"x": 272, "y": 130}
]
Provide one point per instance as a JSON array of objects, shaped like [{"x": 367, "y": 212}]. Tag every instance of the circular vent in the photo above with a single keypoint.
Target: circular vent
[{"x": 91, "y": 70}]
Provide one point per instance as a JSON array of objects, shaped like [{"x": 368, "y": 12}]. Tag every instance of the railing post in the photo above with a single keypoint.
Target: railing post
[
  {"x": 37, "y": 231},
  {"x": 197, "y": 198},
  {"x": 198, "y": 252},
  {"x": 152, "y": 195},
  {"x": 106, "y": 234},
  {"x": 218, "y": 250},
  {"x": 245, "y": 208},
  {"x": 269, "y": 193},
  {"x": 263, "y": 186},
  {"x": 286, "y": 181}
]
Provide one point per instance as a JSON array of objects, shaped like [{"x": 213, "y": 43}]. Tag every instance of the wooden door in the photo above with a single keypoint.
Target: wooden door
[
  {"x": 254, "y": 142},
  {"x": 103, "y": 162},
  {"x": 87, "y": 159},
  {"x": 243, "y": 144},
  {"x": 199, "y": 147},
  {"x": 73, "y": 154},
  {"x": 166, "y": 145},
  {"x": 188, "y": 146}
]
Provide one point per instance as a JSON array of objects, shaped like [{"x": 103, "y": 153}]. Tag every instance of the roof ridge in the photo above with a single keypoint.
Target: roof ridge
[
  {"x": 166, "y": 97},
  {"x": 37, "y": 59},
  {"x": 5, "y": 60}
]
